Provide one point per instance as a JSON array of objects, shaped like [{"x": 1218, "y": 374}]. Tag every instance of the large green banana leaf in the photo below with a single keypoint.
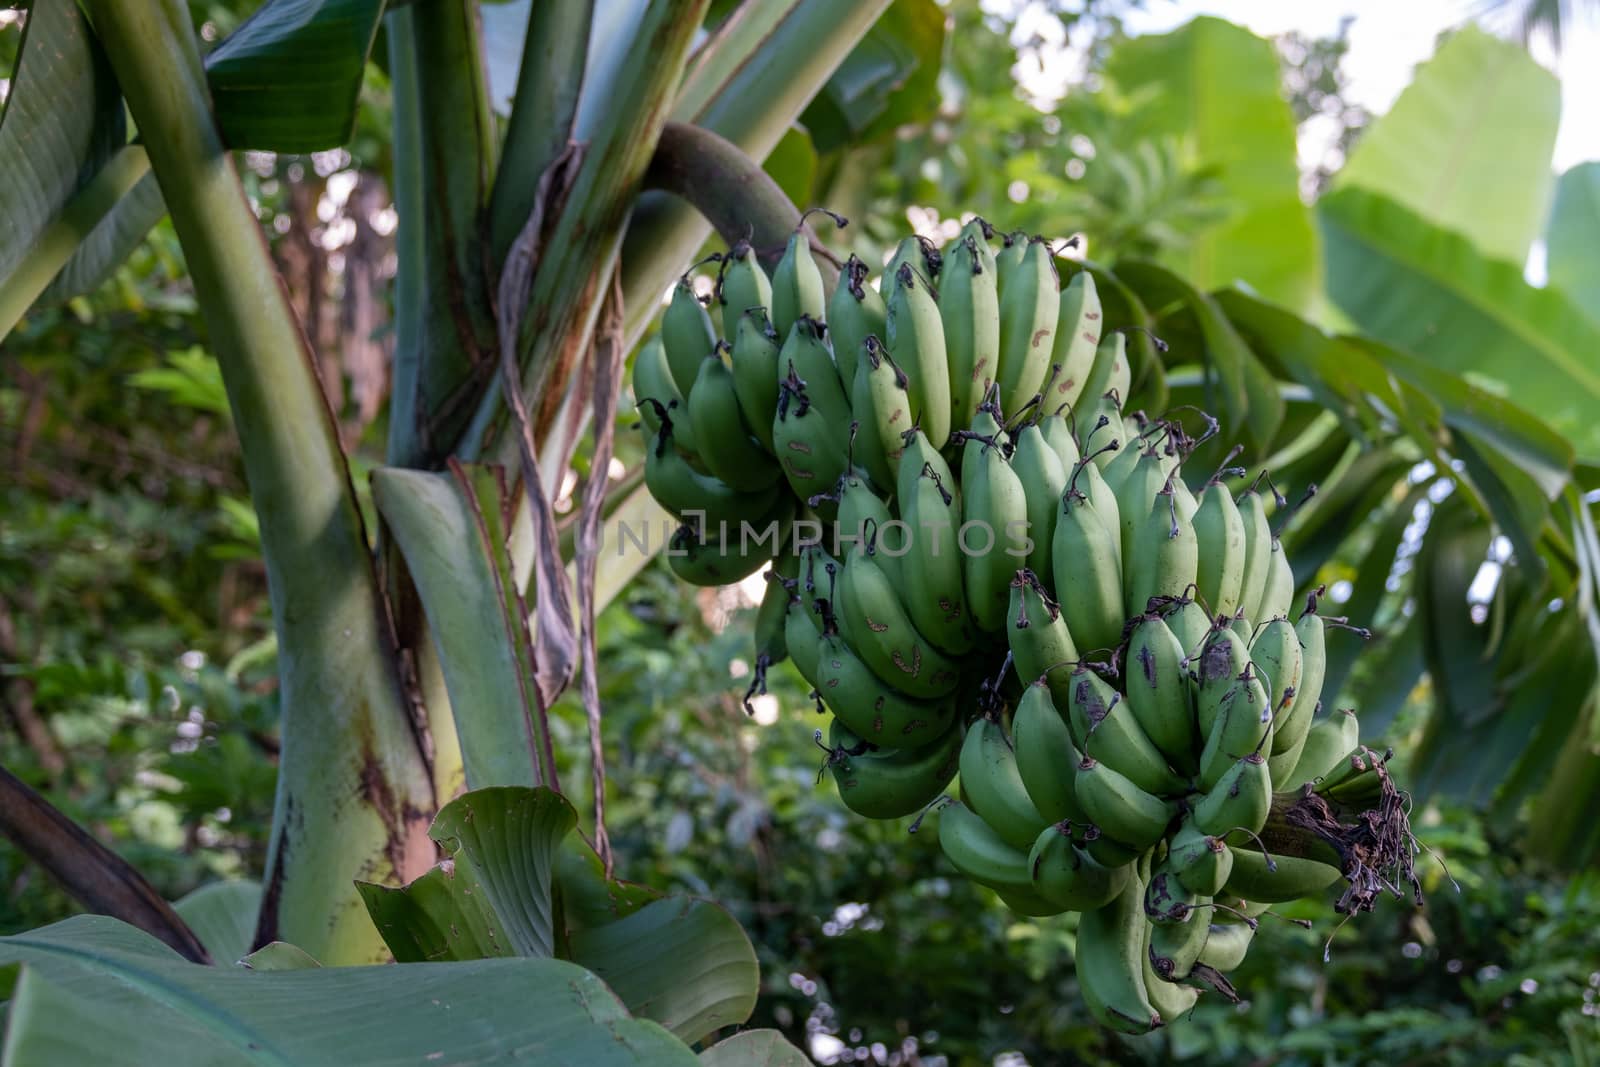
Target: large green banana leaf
[
  {"x": 1572, "y": 240},
  {"x": 1467, "y": 145},
  {"x": 223, "y": 916},
  {"x": 93, "y": 990}
]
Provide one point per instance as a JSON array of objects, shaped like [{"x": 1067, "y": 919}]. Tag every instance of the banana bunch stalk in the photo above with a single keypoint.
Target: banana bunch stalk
[{"x": 987, "y": 569}]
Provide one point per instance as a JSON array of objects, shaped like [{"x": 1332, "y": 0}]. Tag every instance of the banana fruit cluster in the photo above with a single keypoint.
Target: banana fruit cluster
[{"x": 985, "y": 567}]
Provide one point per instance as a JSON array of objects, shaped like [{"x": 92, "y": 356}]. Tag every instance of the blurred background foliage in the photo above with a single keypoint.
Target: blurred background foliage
[{"x": 136, "y": 657}]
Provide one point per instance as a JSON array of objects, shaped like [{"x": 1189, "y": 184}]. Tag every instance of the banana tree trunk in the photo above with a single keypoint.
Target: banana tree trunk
[{"x": 354, "y": 791}]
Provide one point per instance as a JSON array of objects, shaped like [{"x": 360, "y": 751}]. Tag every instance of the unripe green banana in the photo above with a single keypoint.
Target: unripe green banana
[
  {"x": 1191, "y": 625},
  {"x": 1226, "y": 945},
  {"x": 1289, "y": 735},
  {"x": 1277, "y": 598},
  {"x": 873, "y": 619},
  {"x": 1070, "y": 878},
  {"x": 1242, "y": 798},
  {"x": 770, "y": 639},
  {"x": 1219, "y": 529},
  {"x": 993, "y": 787},
  {"x": 925, "y": 496},
  {"x": 1026, "y": 902},
  {"x": 742, "y": 285},
  {"x": 1175, "y": 947},
  {"x": 721, "y": 556},
  {"x": 714, "y": 406},
  {"x": 916, "y": 341},
  {"x": 1135, "y": 485},
  {"x": 1128, "y": 814},
  {"x": 1257, "y": 554},
  {"x": 1201, "y": 861},
  {"x": 1087, "y": 568},
  {"x": 1290, "y": 878},
  {"x": 686, "y": 492},
  {"x": 800, "y": 638},
  {"x": 1171, "y": 1000},
  {"x": 1329, "y": 741},
  {"x": 812, "y": 426},
  {"x": 1043, "y": 480},
  {"x": 687, "y": 335},
  {"x": 820, "y": 586},
  {"x": 1161, "y": 693},
  {"x": 994, "y": 511},
  {"x": 1221, "y": 660},
  {"x": 1110, "y": 963},
  {"x": 1058, "y": 435},
  {"x": 1078, "y": 325},
  {"x": 1163, "y": 556},
  {"x": 1168, "y": 901},
  {"x": 977, "y": 851},
  {"x": 1097, "y": 424},
  {"x": 883, "y": 406},
  {"x": 1104, "y": 728},
  {"x": 1008, "y": 257},
  {"x": 1106, "y": 850},
  {"x": 865, "y": 523},
  {"x": 918, "y": 253},
  {"x": 872, "y": 710},
  {"x": 890, "y": 783},
  {"x": 1047, "y": 759},
  {"x": 969, "y": 306},
  {"x": 1029, "y": 309},
  {"x": 1041, "y": 645},
  {"x": 1110, "y": 372},
  {"x": 654, "y": 391},
  {"x": 855, "y": 313},
  {"x": 755, "y": 372},
  {"x": 806, "y": 353},
  {"x": 1278, "y": 660},
  {"x": 1243, "y": 727},
  {"x": 797, "y": 288}
]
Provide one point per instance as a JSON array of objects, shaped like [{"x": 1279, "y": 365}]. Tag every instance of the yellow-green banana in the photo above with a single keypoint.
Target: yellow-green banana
[
  {"x": 1110, "y": 372},
  {"x": 1277, "y": 597},
  {"x": 1257, "y": 554},
  {"x": 1058, "y": 434}
]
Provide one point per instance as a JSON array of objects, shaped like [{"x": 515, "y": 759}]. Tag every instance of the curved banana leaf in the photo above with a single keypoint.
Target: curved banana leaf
[
  {"x": 279, "y": 956},
  {"x": 110, "y": 238},
  {"x": 1430, "y": 292},
  {"x": 1467, "y": 145},
  {"x": 1215, "y": 87},
  {"x": 223, "y": 916},
  {"x": 93, "y": 990},
  {"x": 1572, "y": 240},
  {"x": 890, "y": 79},
  {"x": 288, "y": 79},
  {"x": 754, "y": 1048}
]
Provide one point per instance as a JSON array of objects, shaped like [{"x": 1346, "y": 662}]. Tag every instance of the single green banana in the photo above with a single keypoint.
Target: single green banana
[
  {"x": 806, "y": 353},
  {"x": 1277, "y": 598},
  {"x": 855, "y": 313},
  {"x": 1110, "y": 963},
  {"x": 1041, "y": 645},
  {"x": 925, "y": 495},
  {"x": 1104, "y": 727},
  {"x": 1043, "y": 480},
  {"x": 1329, "y": 741},
  {"x": 916, "y": 341},
  {"x": 1047, "y": 759},
  {"x": 1243, "y": 726},
  {"x": 1226, "y": 945},
  {"x": 755, "y": 372},
  {"x": 1221, "y": 660},
  {"x": 977, "y": 851},
  {"x": 874, "y": 620},
  {"x": 1030, "y": 308},
  {"x": 717, "y": 556},
  {"x": 920, "y": 254},
  {"x": 714, "y": 406},
  {"x": 1289, "y": 735},
  {"x": 890, "y": 783},
  {"x": 865, "y": 524},
  {"x": 1097, "y": 424},
  {"x": 1078, "y": 326},
  {"x": 1279, "y": 664},
  {"x": 1058, "y": 434},
  {"x": 797, "y": 288},
  {"x": 1068, "y": 877},
  {"x": 1219, "y": 528},
  {"x": 1289, "y": 877},
  {"x": 654, "y": 391},
  {"x": 1242, "y": 798},
  {"x": 1129, "y": 815},
  {"x": 1202, "y": 862},
  {"x": 1257, "y": 554},
  {"x": 993, "y": 538},
  {"x": 1087, "y": 568},
  {"x": 1168, "y": 901},
  {"x": 1175, "y": 948},
  {"x": 741, "y": 286},
  {"x": 1110, "y": 372},
  {"x": 800, "y": 638},
  {"x": 1161, "y": 693},
  {"x": 872, "y": 710},
  {"x": 687, "y": 493},
  {"x": 992, "y": 785},
  {"x": 1191, "y": 625},
  {"x": 884, "y": 407},
  {"x": 1008, "y": 257},
  {"x": 969, "y": 307},
  {"x": 1107, "y": 851},
  {"x": 806, "y": 442},
  {"x": 1163, "y": 557},
  {"x": 771, "y": 639},
  {"x": 687, "y": 335}
]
